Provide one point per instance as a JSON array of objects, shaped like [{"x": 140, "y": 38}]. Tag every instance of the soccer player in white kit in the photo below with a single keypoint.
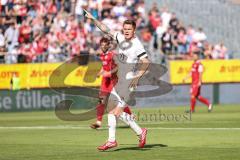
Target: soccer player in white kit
[{"x": 131, "y": 47}]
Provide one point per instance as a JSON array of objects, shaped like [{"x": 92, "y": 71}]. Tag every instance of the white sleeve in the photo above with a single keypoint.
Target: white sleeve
[
  {"x": 140, "y": 51},
  {"x": 200, "y": 68}
]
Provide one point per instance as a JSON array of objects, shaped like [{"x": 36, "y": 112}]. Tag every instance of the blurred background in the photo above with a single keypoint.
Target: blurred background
[{"x": 36, "y": 37}]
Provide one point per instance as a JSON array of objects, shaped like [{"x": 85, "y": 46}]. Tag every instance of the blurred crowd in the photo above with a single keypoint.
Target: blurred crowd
[
  {"x": 56, "y": 30},
  {"x": 178, "y": 41}
]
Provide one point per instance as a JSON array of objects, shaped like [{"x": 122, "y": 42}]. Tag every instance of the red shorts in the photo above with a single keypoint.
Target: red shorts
[
  {"x": 107, "y": 85},
  {"x": 195, "y": 90}
]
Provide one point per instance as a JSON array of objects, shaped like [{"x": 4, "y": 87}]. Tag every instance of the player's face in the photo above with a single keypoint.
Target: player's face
[
  {"x": 104, "y": 46},
  {"x": 128, "y": 31},
  {"x": 195, "y": 57}
]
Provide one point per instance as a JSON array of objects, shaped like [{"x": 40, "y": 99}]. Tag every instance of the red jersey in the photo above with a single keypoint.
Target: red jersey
[
  {"x": 22, "y": 11},
  {"x": 75, "y": 49},
  {"x": 108, "y": 62},
  {"x": 25, "y": 33},
  {"x": 197, "y": 69},
  {"x": 41, "y": 9},
  {"x": 108, "y": 82},
  {"x": 28, "y": 51},
  {"x": 62, "y": 36},
  {"x": 52, "y": 9},
  {"x": 72, "y": 34}
]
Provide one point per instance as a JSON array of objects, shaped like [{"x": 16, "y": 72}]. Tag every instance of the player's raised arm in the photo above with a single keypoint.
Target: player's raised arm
[{"x": 100, "y": 25}]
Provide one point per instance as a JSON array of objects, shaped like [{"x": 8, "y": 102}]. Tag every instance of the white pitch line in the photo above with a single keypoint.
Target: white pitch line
[
  {"x": 88, "y": 128},
  {"x": 46, "y": 127},
  {"x": 193, "y": 128}
]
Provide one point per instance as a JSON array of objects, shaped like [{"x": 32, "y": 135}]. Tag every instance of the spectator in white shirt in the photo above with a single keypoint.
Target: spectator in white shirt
[
  {"x": 2, "y": 39},
  {"x": 199, "y": 36},
  {"x": 78, "y": 8},
  {"x": 11, "y": 35},
  {"x": 166, "y": 17},
  {"x": 119, "y": 9},
  {"x": 54, "y": 51},
  {"x": 219, "y": 52},
  {"x": 3, "y": 4},
  {"x": 12, "y": 55}
]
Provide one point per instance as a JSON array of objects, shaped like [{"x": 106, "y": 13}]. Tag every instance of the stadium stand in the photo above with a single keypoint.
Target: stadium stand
[
  {"x": 219, "y": 19},
  {"x": 54, "y": 31}
]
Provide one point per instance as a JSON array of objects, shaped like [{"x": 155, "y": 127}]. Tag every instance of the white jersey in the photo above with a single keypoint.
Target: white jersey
[{"x": 132, "y": 49}]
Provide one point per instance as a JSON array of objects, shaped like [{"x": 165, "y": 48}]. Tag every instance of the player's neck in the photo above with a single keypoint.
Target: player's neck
[
  {"x": 105, "y": 52},
  {"x": 196, "y": 60}
]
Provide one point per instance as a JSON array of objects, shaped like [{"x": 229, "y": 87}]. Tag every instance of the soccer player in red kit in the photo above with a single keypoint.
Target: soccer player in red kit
[
  {"x": 196, "y": 74},
  {"x": 109, "y": 80}
]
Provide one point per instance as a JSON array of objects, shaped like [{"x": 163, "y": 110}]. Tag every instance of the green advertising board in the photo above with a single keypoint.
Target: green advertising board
[{"x": 39, "y": 99}]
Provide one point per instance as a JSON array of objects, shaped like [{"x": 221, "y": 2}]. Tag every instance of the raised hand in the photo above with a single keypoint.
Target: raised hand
[{"x": 87, "y": 14}]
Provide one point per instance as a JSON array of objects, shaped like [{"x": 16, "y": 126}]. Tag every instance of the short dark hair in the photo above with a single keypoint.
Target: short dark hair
[
  {"x": 105, "y": 40},
  {"x": 131, "y": 22}
]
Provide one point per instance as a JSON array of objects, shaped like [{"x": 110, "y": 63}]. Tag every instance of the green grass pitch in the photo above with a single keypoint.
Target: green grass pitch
[{"x": 42, "y": 136}]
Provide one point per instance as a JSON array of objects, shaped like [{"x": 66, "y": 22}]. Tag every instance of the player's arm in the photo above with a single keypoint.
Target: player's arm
[
  {"x": 109, "y": 73},
  {"x": 144, "y": 63},
  {"x": 114, "y": 70},
  {"x": 143, "y": 66},
  {"x": 200, "y": 70},
  {"x": 200, "y": 78},
  {"x": 187, "y": 77},
  {"x": 100, "y": 73},
  {"x": 100, "y": 25}
]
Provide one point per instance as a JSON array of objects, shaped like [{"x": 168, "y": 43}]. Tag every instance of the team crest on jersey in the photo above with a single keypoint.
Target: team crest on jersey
[{"x": 125, "y": 45}]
